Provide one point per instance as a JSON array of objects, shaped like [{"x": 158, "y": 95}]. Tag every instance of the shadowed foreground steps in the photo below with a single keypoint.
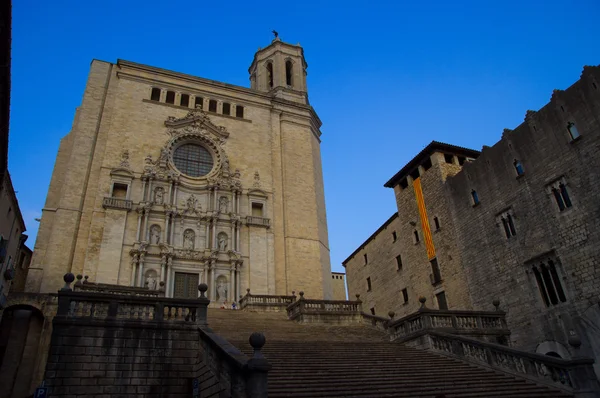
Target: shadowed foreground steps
[{"x": 316, "y": 360}]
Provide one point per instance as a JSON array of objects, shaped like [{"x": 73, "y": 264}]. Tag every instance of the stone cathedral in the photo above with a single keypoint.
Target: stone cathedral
[{"x": 167, "y": 180}]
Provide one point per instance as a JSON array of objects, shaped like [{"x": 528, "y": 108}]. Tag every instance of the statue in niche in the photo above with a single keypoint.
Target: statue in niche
[
  {"x": 222, "y": 288},
  {"x": 159, "y": 194},
  {"x": 125, "y": 159},
  {"x": 222, "y": 241},
  {"x": 151, "y": 282},
  {"x": 155, "y": 234},
  {"x": 188, "y": 239},
  {"x": 164, "y": 154},
  {"x": 223, "y": 202}
]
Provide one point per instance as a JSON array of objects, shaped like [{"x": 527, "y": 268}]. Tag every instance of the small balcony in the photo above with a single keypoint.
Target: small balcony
[
  {"x": 258, "y": 221},
  {"x": 117, "y": 203}
]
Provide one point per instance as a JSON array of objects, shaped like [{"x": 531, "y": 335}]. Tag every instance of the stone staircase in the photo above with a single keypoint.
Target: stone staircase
[{"x": 317, "y": 360}]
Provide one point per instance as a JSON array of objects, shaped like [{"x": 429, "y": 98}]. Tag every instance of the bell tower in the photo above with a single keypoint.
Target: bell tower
[{"x": 280, "y": 69}]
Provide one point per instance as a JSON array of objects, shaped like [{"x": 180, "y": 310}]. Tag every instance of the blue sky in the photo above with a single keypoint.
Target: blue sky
[{"x": 386, "y": 78}]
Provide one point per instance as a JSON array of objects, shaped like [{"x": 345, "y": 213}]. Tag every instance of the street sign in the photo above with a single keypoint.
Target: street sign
[{"x": 41, "y": 392}]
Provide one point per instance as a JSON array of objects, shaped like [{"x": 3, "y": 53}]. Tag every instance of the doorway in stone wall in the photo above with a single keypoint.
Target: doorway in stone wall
[{"x": 186, "y": 285}]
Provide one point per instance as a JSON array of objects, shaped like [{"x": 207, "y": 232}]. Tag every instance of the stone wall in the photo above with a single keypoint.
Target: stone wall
[{"x": 501, "y": 267}]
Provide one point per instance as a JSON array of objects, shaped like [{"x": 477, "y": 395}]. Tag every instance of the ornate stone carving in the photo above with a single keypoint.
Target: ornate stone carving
[
  {"x": 155, "y": 234},
  {"x": 159, "y": 193},
  {"x": 198, "y": 120},
  {"x": 125, "y": 159},
  {"x": 256, "y": 180},
  {"x": 189, "y": 237}
]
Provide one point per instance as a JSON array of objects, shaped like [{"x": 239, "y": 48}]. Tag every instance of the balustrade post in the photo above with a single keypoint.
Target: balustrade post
[
  {"x": 113, "y": 310},
  {"x": 479, "y": 321},
  {"x": 257, "y": 368},
  {"x": 358, "y": 300},
  {"x": 64, "y": 302},
  {"x": 454, "y": 322},
  {"x": 202, "y": 308},
  {"x": 426, "y": 321},
  {"x": 159, "y": 311}
]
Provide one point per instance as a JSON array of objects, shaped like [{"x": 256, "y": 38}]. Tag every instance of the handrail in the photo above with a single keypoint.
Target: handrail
[
  {"x": 265, "y": 300},
  {"x": 572, "y": 375},
  {"x": 323, "y": 307}
]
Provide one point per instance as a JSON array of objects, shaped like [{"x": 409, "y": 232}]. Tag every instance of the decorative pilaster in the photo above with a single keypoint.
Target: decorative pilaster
[{"x": 140, "y": 281}]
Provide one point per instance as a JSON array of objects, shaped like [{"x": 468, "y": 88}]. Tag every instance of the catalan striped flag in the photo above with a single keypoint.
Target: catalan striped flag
[{"x": 424, "y": 219}]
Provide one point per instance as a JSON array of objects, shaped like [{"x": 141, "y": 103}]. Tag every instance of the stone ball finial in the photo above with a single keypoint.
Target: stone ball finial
[
  {"x": 161, "y": 283},
  {"x": 301, "y": 293},
  {"x": 574, "y": 340},
  {"x": 248, "y": 291},
  {"x": 202, "y": 288},
  {"x": 69, "y": 277},
  {"x": 257, "y": 340},
  {"x": 79, "y": 278},
  {"x": 357, "y": 297},
  {"x": 85, "y": 279},
  {"x": 391, "y": 314},
  {"x": 496, "y": 304},
  {"x": 422, "y": 299},
  {"x": 241, "y": 297},
  {"x": 293, "y": 292}
]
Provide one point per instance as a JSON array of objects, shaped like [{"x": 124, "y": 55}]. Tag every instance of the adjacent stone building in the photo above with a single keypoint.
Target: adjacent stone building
[
  {"x": 519, "y": 223},
  {"x": 414, "y": 253},
  {"x": 338, "y": 285},
  {"x": 168, "y": 180}
]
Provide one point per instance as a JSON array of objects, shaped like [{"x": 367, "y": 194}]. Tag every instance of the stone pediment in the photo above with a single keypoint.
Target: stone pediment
[{"x": 195, "y": 120}]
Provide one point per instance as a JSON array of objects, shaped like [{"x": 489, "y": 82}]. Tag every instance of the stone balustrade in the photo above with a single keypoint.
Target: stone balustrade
[
  {"x": 576, "y": 376},
  {"x": 328, "y": 311},
  {"x": 488, "y": 325},
  {"x": 116, "y": 203},
  {"x": 158, "y": 332},
  {"x": 264, "y": 302},
  {"x": 258, "y": 221},
  {"x": 85, "y": 286}
]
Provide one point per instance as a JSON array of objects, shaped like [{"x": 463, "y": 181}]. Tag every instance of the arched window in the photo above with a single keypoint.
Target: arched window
[
  {"x": 226, "y": 108},
  {"x": 170, "y": 97},
  {"x": 289, "y": 73},
  {"x": 270, "y": 74}
]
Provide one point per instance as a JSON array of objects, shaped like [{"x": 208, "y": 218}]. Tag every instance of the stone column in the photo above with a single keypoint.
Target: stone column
[
  {"x": 238, "y": 277},
  {"x": 215, "y": 199},
  {"x": 238, "y": 225},
  {"x": 231, "y": 290},
  {"x": 238, "y": 202},
  {"x": 207, "y": 238},
  {"x": 165, "y": 236},
  {"x": 214, "y": 233},
  {"x": 134, "y": 265},
  {"x": 149, "y": 196},
  {"x": 143, "y": 189},
  {"x": 232, "y": 236},
  {"x": 168, "y": 287},
  {"x": 140, "y": 211},
  {"x": 163, "y": 264},
  {"x": 140, "y": 281},
  {"x": 146, "y": 229},
  {"x": 174, "y": 200},
  {"x": 212, "y": 284},
  {"x": 170, "y": 202},
  {"x": 172, "y": 228}
]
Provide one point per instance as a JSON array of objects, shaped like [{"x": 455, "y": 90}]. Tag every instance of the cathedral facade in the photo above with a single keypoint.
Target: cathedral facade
[{"x": 168, "y": 180}]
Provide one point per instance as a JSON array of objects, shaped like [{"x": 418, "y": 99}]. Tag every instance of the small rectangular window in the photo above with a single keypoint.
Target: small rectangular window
[
  {"x": 226, "y": 108},
  {"x": 415, "y": 236},
  {"x": 399, "y": 262},
  {"x": 170, "y": 97},
  {"x": 257, "y": 209},
  {"x": 239, "y": 111},
  {"x": 368, "y": 284},
  {"x": 405, "y": 295},
  {"x": 155, "y": 96},
  {"x": 212, "y": 106},
  {"x": 404, "y": 183},
  {"x": 372, "y": 310},
  {"x": 448, "y": 158},
  {"x": 366, "y": 259},
  {"x": 436, "y": 223},
  {"x": 461, "y": 160},
  {"x": 185, "y": 100},
  {"x": 436, "y": 276},
  {"x": 198, "y": 102},
  {"x": 394, "y": 236},
  {"x": 119, "y": 191},
  {"x": 573, "y": 132},
  {"x": 441, "y": 299}
]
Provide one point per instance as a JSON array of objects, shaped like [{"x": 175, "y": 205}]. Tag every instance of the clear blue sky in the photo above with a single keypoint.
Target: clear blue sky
[{"x": 386, "y": 78}]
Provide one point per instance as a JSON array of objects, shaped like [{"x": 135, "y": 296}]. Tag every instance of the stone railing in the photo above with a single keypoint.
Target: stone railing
[
  {"x": 328, "y": 311},
  {"x": 375, "y": 321},
  {"x": 576, "y": 376},
  {"x": 231, "y": 374},
  {"x": 116, "y": 203},
  {"x": 264, "y": 303},
  {"x": 488, "y": 325},
  {"x": 259, "y": 221},
  {"x": 85, "y": 286}
]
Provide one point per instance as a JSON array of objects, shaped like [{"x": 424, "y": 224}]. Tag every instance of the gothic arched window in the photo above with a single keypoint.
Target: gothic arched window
[
  {"x": 289, "y": 73},
  {"x": 270, "y": 74}
]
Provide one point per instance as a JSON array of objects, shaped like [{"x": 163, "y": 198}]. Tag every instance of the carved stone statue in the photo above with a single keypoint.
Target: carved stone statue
[
  {"x": 223, "y": 202},
  {"x": 191, "y": 202},
  {"x": 151, "y": 282},
  {"x": 222, "y": 288},
  {"x": 159, "y": 194},
  {"x": 125, "y": 159},
  {"x": 188, "y": 239},
  {"x": 222, "y": 241},
  {"x": 155, "y": 234},
  {"x": 256, "y": 180}
]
